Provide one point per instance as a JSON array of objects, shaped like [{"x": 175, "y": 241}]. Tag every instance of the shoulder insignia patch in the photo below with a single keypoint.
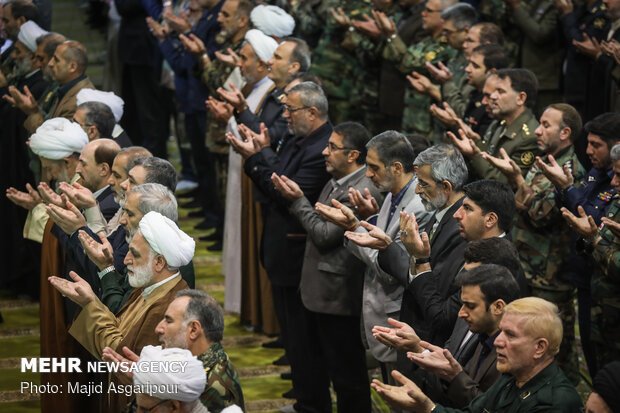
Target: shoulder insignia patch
[
  {"x": 599, "y": 23},
  {"x": 527, "y": 158},
  {"x": 430, "y": 56},
  {"x": 526, "y": 130}
]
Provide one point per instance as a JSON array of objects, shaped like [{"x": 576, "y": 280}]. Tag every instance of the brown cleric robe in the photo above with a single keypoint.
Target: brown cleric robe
[
  {"x": 256, "y": 300},
  {"x": 96, "y": 327},
  {"x": 54, "y": 336}
]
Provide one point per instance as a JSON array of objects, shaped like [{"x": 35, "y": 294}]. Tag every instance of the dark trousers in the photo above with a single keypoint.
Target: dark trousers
[
  {"x": 146, "y": 117},
  {"x": 204, "y": 163},
  {"x": 345, "y": 358},
  {"x": 310, "y": 378}
]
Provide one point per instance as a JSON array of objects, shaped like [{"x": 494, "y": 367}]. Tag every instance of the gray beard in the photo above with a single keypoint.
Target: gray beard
[{"x": 140, "y": 277}]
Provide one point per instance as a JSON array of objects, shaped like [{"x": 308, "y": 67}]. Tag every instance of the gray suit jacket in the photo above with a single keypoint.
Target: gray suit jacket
[
  {"x": 382, "y": 293},
  {"x": 331, "y": 277}
]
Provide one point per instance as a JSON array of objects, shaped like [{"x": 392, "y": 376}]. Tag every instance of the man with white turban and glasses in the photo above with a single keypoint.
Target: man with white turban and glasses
[
  {"x": 89, "y": 112},
  {"x": 155, "y": 254}
]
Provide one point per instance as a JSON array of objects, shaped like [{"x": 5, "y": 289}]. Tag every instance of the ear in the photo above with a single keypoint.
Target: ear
[
  {"x": 398, "y": 167},
  {"x": 446, "y": 187},
  {"x": 104, "y": 169},
  {"x": 159, "y": 263},
  {"x": 175, "y": 406},
  {"x": 541, "y": 347},
  {"x": 497, "y": 307},
  {"x": 521, "y": 98},
  {"x": 565, "y": 133},
  {"x": 93, "y": 132},
  {"x": 490, "y": 220},
  {"x": 294, "y": 67},
  {"x": 73, "y": 66},
  {"x": 195, "y": 329},
  {"x": 244, "y": 21},
  {"x": 353, "y": 155}
]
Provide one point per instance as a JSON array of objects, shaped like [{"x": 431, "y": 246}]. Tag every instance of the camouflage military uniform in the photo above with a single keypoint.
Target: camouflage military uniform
[
  {"x": 542, "y": 238},
  {"x": 223, "y": 388},
  {"x": 308, "y": 24},
  {"x": 365, "y": 94},
  {"x": 518, "y": 140},
  {"x": 605, "y": 287},
  {"x": 334, "y": 64},
  {"x": 416, "y": 116}
]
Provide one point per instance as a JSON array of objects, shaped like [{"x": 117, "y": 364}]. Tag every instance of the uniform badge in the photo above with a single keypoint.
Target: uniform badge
[
  {"x": 478, "y": 104},
  {"x": 49, "y": 96},
  {"x": 355, "y": 12},
  {"x": 591, "y": 178},
  {"x": 604, "y": 196},
  {"x": 430, "y": 56},
  {"x": 527, "y": 158},
  {"x": 599, "y": 23},
  {"x": 525, "y": 129},
  {"x": 281, "y": 97}
]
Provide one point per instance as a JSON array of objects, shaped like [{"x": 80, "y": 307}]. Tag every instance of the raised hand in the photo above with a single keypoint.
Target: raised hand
[
  {"x": 437, "y": 360},
  {"x": 101, "y": 254},
  {"x": 261, "y": 140},
  {"x": 49, "y": 196},
  {"x": 440, "y": 73},
  {"x": 245, "y": 148},
  {"x": 584, "y": 224},
  {"x": 159, "y": 31},
  {"x": 385, "y": 23},
  {"x": 235, "y": 98},
  {"x": 194, "y": 45},
  {"x": 26, "y": 200},
  {"x": 443, "y": 116},
  {"x": 287, "y": 187},
  {"x": 407, "y": 397},
  {"x": 589, "y": 46},
  {"x": 505, "y": 165},
  {"x": 560, "y": 176},
  {"x": 340, "y": 16},
  {"x": 23, "y": 101},
  {"x": 339, "y": 214},
  {"x": 79, "y": 195},
  {"x": 464, "y": 143},
  {"x": 368, "y": 26},
  {"x": 420, "y": 83},
  {"x": 112, "y": 356},
  {"x": 364, "y": 207},
  {"x": 180, "y": 24},
  {"x": 375, "y": 238},
  {"x": 69, "y": 218},
  {"x": 417, "y": 245},
  {"x": 229, "y": 57},
  {"x": 613, "y": 226},
  {"x": 221, "y": 111},
  {"x": 78, "y": 291},
  {"x": 402, "y": 337}
]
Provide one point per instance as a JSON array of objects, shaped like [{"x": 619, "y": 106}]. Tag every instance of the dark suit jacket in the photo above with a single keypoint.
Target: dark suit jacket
[
  {"x": 331, "y": 278},
  {"x": 430, "y": 384},
  {"x": 432, "y": 301},
  {"x": 284, "y": 238},
  {"x": 269, "y": 113},
  {"x": 601, "y": 91},
  {"x": 465, "y": 387},
  {"x": 136, "y": 44}
]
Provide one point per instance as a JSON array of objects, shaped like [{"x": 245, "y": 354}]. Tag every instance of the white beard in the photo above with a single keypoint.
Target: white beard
[{"x": 140, "y": 276}]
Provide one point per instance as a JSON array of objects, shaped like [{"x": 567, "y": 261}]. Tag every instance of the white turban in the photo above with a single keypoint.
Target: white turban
[
  {"x": 28, "y": 34},
  {"x": 232, "y": 409},
  {"x": 263, "y": 45},
  {"x": 272, "y": 20},
  {"x": 181, "y": 376},
  {"x": 165, "y": 238},
  {"x": 114, "y": 102},
  {"x": 58, "y": 138}
]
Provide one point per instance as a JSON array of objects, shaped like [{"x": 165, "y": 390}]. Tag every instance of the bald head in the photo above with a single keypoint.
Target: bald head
[
  {"x": 69, "y": 62},
  {"x": 95, "y": 163}
]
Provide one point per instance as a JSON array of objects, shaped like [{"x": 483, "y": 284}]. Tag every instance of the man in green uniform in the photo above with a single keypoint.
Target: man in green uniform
[
  {"x": 531, "y": 333},
  {"x": 432, "y": 49},
  {"x": 540, "y": 235},
  {"x": 512, "y": 129}
]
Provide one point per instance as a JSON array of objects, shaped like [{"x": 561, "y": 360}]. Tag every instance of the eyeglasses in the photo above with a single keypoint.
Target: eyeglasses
[
  {"x": 293, "y": 110},
  {"x": 427, "y": 10},
  {"x": 141, "y": 409},
  {"x": 332, "y": 148}
]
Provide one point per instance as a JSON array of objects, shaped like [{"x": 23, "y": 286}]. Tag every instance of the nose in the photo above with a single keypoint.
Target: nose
[
  {"x": 458, "y": 214},
  {"x": 538, "y": 130},
  {"x": 127, "y": 259},
  {"x": 589, "y": 150},
  {"x": 462, "y": 312},
  {"x": 111, "y": 181},
  {"x": 615, "y": 181},
  {"x": 325, "y": 151},
  {"x": 123, "y": 220},
  {"x": 125, "y": 184},
  {"x": 160, "y": 328}
]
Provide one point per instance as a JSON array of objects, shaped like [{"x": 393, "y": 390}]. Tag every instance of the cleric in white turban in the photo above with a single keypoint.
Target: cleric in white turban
[
  {"x": 165, "y": 238},
  {"x": 28, "y": 34},
  {"x": 169, "y": 374},
  {"x": 58, "y": 138},
  {"x": 263, "y": 45},
  {"x": 272, "y": 20},
  {"x": 115, "y": 103}
]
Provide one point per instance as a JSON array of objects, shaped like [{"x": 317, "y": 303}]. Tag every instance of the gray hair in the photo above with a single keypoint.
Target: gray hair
[
  {"x": 312, "y": 95},
  {"x": 300, "y": 53},
  {"x": 158, "y": 171},
  {"x": 615, "y": 153},
  {"x": 206, "y": 310},
  {"x": 447, "y": 3},
  {"x": 158, "y": 198},
  {"x": 462, "y": 15},
  {"x": 392, "y": 146},
  {"x": 447, "y": 164},
  {"x": 100, "y": 115}
]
